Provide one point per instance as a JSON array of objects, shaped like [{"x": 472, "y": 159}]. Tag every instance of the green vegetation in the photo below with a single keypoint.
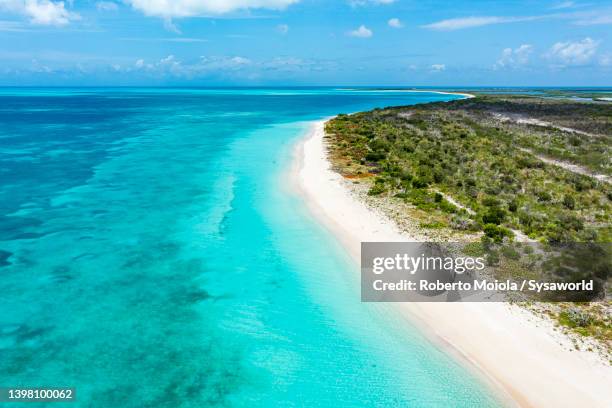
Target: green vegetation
[
  {"x": 588, "y": 320},
  {"x": 481, "y": 153},
  {"x": 482, "y": 167}
]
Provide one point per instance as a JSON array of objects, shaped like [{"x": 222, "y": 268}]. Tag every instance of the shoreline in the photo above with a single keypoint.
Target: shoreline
[
  {"x": 466, "y": 95},
  {"x": 482, "y": 334}
]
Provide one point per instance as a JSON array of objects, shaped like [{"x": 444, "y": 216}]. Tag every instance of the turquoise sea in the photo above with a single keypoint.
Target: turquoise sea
[{"x": 152, "y": 255}]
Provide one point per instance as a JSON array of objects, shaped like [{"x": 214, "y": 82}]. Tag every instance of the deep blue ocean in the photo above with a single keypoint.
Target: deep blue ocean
[{"x": 152, "y": 255}]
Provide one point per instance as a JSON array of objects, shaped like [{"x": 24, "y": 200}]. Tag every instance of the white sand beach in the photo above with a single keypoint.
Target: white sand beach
[{"x": 518, "y": 351}]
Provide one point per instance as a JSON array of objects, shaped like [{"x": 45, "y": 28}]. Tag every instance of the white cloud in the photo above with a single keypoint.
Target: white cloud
[
  {"x": 188, "y": 8},
  {"x": 593, "y": 17},
  {"x": 438, "y": 67},
  {"x": 170, "y": 26},
  {"x": 107, "y": 6},
  {"x": 169, "y": 60},
  {"x": 231, "y": 66},
  {"x": 40, "y": 68},
  {"x": 239, "y": 61},
  {"x": 395, "y": 23},
  {"x": 573, "y": 53},
  {"x": 283, "y": 62},
  {"x": 42, "y": 12},
  {"x": 171, "y": 65},
  {"x": 514, "y": 57},
  {"x": 606, "y": 60},
  {"x": 361, "y": 32},
  {"x": 469, "y": 22},
  {"x": 282, "y": 28},
  {"x": 595, "y": 20},
  {"x": 221, "y": 67}
]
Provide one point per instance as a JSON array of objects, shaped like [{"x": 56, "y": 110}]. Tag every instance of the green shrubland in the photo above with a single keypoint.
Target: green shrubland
[{"x": 475, "y": 152}]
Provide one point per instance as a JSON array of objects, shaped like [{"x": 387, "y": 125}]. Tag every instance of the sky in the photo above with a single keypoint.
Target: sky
[{"x": 305, "y": 42}]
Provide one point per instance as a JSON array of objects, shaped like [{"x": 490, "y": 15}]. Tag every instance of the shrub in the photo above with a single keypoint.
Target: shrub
[
  {"x": 492, "y": 258},
  {"x": 570, "y": 222},
  {"x": 377, "y": 189},
  {"x": 526, "y": 219},
  {"x": 510, "y": 253},
  {"x": 419, "y": 183},
  {"x": 447, "y": 207},
  {"x": 569, "y": 202},
  {"x": 496, "y": 233},
  {"x": 513, "y": 206},
  {"x": 433, "y": 225},
  {"x": 461, "y": 223},
  {"x": 543, "y": 196},
  {"x": 375, "y": 156},
  {"x": 406, "y": 176},
  {"x": 494, "y": 215},
  {"x": 379, "y": 144},
  {"x": 575, "y": 317},
  {"x": 490, "y": 202}
]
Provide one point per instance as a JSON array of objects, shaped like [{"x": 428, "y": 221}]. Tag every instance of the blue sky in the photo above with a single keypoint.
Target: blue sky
[{"x": 306, "y": 42}]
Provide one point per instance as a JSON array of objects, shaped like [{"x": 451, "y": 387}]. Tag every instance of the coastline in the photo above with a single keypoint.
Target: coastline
[
  {"x": 492, "y": 337},
  {"x": 466, "y": 95}
]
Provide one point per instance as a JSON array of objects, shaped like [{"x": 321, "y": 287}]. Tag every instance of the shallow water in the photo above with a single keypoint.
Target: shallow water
[{"x": 152, "y": 256}]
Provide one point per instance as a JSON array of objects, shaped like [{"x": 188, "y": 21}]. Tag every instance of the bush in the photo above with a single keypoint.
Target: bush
[
  {"x": 433, "y": 225},
  {"x": 513, "y": 206},
  {"x": 375, "y": 156},
  {"x": 419, "y": 183},
  {"x": 494, "y": 215},
  {"x": 497, "y": 233},
  {"x": 377, "y": 189},
  {"x": 569, "y": 202},
  {"x": 526, "y": 219},
  {"x": 510, "y": 253},
  {"x": 447, "y": 207},
  {"x": 490, "y": 202},
  {"x": 472, "y": 192},
  {"x": 492, "y": 258},
  {"x": 570, "y": 222},
  {"x": 461, "y": 223},
  {"x": 575, "y": 317},
  {"x": 543, "y": 196},
  {"x": 406, "y": 176}
]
